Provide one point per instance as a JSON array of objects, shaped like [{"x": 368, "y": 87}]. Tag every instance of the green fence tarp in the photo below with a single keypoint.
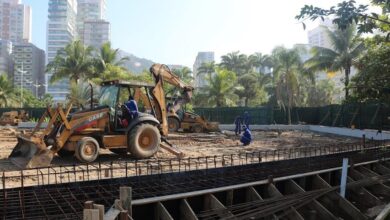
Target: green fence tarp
[
  {"x": 367, "y": 115},
  {"x": 362, "y": 116}
]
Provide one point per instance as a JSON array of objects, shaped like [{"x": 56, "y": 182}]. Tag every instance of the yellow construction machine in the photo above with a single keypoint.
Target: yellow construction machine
[
  {"x": 83, "y": 133},
  {"x": 178, "y": 118}
]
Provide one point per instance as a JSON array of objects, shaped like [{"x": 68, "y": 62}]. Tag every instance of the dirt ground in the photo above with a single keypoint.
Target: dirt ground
[
  {"x": 193, "y": 146},
  {"x": 199, "y": 145}
]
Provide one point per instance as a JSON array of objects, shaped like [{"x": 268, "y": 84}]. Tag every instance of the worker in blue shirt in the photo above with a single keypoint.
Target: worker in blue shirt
[
  {"x": 246, "y": 119},
  {"x": 237, "y": 122},
  {"x": 246, "y": 137},
  {"x": 132, "y": 107}
]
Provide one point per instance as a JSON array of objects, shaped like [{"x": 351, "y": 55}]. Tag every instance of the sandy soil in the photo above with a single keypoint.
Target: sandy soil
[
  {"x": 198, "y": 145},
  {"x": 193, "y": 146}
]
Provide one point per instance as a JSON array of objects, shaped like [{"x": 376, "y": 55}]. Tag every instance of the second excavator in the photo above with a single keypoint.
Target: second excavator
[{"x": 178, "y": 117}]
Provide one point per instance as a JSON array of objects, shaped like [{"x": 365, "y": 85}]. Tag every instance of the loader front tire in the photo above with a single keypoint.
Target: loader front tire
[
  {"x": 144, "y": 141},
  {"x": 87, "y": 150},
  {"x": 173, "y": 124}
]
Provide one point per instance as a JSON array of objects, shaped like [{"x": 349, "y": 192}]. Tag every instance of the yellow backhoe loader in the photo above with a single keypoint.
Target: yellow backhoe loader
[
  {"x": 83, "y": 133},
  {"x": 178, "y": 118}
]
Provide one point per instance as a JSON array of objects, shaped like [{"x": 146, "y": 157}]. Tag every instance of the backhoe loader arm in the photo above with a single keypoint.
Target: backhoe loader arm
[{"x": 163, "y": 71}]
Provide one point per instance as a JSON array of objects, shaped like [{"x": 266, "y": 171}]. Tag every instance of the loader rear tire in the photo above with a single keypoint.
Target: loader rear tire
[
  {"x": 173, "y": 124},
  {"x": 144, "y": 141},
  {"x": 87, "y": 150}
]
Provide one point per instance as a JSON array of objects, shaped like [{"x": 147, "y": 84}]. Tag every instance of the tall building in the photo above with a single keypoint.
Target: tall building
[
  {"x": 202, "y": 57},
  {"x": 61, "y": 30},
  {"x": 319, "y": 36},
  {"x": 96, "y": 32},
  {"x": 29, "y": 68},
  {"x": 92, "y": 27},
  {"x": 6, "y": 62},
  {"x": 15, "y": 21},
  {"x": 90, "y": 10}
]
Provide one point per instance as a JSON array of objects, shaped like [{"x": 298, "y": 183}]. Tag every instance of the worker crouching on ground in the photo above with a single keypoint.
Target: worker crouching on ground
[{"x": 246, "y": 137}]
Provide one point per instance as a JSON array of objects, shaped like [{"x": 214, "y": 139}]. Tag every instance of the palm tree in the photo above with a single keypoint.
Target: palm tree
[
  {"x": 206, "y": 68},
  {"x": 235, "y": 62},
  {"x": 108, "y": 56},
  {"x": 287, "y": 67},
  {"x": 7, "y": 93},
  {"x": 73, "y": 62},
  {"x": 184, "y": 73},
  {"x": 249, "y": 88},
  {"x": 221, "y": 88},
  {"x": 80, "y": 95},
  {"x": 345, "y": 50},
  {"x": 259, "y": 61}
]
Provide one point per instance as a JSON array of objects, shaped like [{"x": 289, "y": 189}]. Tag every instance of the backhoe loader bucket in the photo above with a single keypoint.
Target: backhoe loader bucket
[
  {"x": 213, "y": 126},
  {"x": 31, "y": 152}
]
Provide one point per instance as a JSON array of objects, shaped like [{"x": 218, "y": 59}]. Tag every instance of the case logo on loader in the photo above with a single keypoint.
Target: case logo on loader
[{"x": 95, "y": 117}]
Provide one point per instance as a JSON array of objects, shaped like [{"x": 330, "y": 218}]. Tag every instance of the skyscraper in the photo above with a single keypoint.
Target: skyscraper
[
  {"x": 29, "y": 68},
  {"x": 202, "y": 57},
  {"x": 319, "y": 36},
  {"x": 61, "y": 30},
  {"x": 91, "y": 10},
  {"x": 15, "y": 21},
  {"x": 96, "y": 32},
  {"x": 92, "y": 27},
  {"x": 6, "y": 63}
]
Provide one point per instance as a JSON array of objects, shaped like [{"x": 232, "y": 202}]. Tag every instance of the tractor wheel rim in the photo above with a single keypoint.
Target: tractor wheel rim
[
  {"x": 89, "y": 149},
  {"x": 146, "y": 139}
]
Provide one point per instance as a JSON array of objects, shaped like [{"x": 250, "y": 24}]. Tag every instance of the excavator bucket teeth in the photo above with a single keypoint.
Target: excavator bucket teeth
[{"x": 28, "y": 154}]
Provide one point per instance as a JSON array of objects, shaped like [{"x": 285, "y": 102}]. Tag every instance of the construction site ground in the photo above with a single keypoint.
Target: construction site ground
[{"x": 197, "y": 144}]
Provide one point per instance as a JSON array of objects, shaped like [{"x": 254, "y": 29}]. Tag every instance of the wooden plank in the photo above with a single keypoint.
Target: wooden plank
[
  {"x": 211, "y": 202},
  {"x": 125, "y": 196},
  {"x": 101, "y": 210},
  {"x": 381, "y": 169},
  {"x": 124, "y": 215},
  {"x": 362, "y": 195},
  {"x": 162, "y": 212},
  {"x": 88, "y": 205},
  {"x": 251, "y": 194},
  {"x": 321, "y": 210},
  {"x": 377, "y": 189},
  {"x": 274, "y": 192},
  {"x": 186, "y": 211},
  {"x": 333, "y": 199},
  {"x": 91, "y": 214},
  {"x": 111, "y": 214}
]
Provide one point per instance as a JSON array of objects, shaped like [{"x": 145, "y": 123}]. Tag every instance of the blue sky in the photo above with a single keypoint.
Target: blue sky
[{"x": 173, "y": 31}]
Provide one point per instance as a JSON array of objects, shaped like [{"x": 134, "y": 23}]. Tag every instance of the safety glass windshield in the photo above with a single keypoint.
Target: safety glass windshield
[{"x": 108, "y": 96}]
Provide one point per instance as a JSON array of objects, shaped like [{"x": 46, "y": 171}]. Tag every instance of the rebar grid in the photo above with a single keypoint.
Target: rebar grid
[
  {"x": 281, "y": 206},
  {"x": 117, "y": 169},
  {"x": 64, "y": 200}
]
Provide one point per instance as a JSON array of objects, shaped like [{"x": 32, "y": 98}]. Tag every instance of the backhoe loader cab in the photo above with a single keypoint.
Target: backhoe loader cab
[{"x": 83, "y": 133}]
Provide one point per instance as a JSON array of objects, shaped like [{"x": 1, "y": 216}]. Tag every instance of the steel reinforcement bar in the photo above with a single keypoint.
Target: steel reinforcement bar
[
  {"x": 118, "y": 169},
  {"x": 65, "y": 201}
]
